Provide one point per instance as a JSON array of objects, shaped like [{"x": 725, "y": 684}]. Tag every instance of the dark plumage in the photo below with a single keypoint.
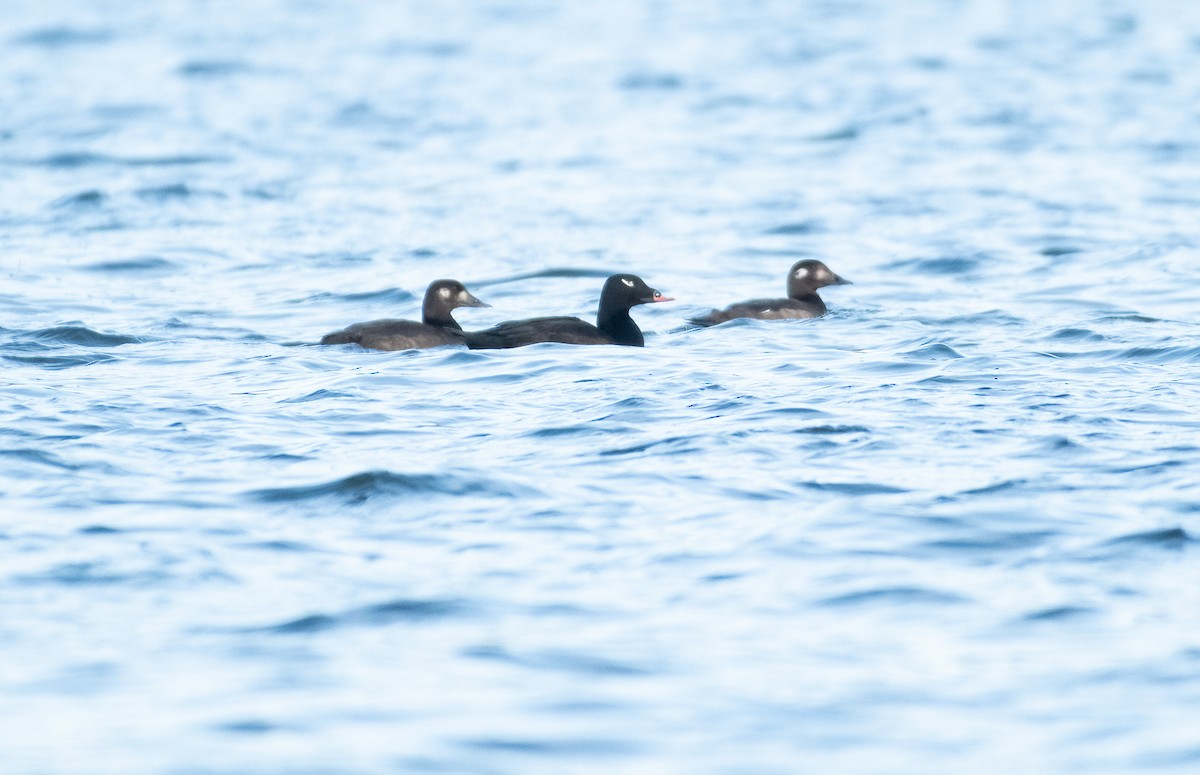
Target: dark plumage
[
  {"x": 436, "y": 328},
  {"x": 804, "y": 278},
  {"x": 613, "y": 323}
]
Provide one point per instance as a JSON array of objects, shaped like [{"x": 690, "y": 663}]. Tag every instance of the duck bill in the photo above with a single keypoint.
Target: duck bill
[
  {"x": 839, "y": 280},
  {"x": 660, "y": 298},
  {"x": 471, "y": 301}
]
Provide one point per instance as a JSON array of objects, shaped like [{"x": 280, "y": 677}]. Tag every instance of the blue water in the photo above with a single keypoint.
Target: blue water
[{"x": 951, "y": 527}]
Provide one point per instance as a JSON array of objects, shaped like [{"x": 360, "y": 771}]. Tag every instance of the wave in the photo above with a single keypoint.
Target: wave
[
  {"x": 943, "y": 265},
  {"x": 384, "y": 294},
  {"x": 1152, "y": 355},
  {"x": 174, "y": 192},
  {"x": 553, "y": 272},
  {"x": 796, "y": 228},
  {"x": 365, "y": 486},
  {"x": 894, "y": 596},
  {"x": 934, "y": 352},
  {"x": 59, "y": 361},
  {"x": 70, "y": 160},
  {"x": 139, "y": 264},
  {"x": 380, "y": 614},
  {"x": 559, "y": 660},
  {"x": 39, "y": 457},
  {"x": 1166, "y": 538},
  {"x": 95, "y": 574},
  {"x": 62, "y": 37},
  {"x": 73, "y": 333},
  {"x": 651, "y": 82},
  {"x": 213, "y": 68},
  {"x": 83, "y": 200},
  {"x": 855, "y": 488},
  {"x": 1058, "y": 613}
]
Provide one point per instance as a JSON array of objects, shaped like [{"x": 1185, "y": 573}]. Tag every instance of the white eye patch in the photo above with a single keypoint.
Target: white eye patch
[
  {"x": 444, "y": 293},
  {"x": 802, "y": 272},
  {"x": 627, "y": 282}
]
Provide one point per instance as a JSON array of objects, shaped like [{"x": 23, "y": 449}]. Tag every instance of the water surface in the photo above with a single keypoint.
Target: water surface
[{"x": 950, "y": 527}]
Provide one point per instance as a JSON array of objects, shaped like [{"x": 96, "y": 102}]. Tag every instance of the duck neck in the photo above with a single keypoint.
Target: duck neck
[
  {"x": 810, "y": 298},
  {"x": 617, "y": 324},
  {"x": 436, "y": 316}
]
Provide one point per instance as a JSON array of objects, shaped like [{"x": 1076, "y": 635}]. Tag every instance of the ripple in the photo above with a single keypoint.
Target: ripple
[
  {"x": 379, "y": 615},
  {"x": 73, "y": 160},
  {"x": 797, "y": 228},
  {"x": 317, "y": 395},
  {"x": 363, "y": 114},
  {"x": 438, "y": 49},
  {"x": 1158, "y": 355},
  {"x": 584, "y": 429},
  {"x": 836, "y": 135},
  {"x": 994, "y": 317},
  {"x": 95, "y": 574},
  {"x": 99, "y": 530},
  {"x": 281, "y": 546},
  {"x": 54, "y": 362},
  {"x": 998, "y": 487},
  {"x": 897, "y": 367},
  {"x": 125, "y": 111},
  {"x": 984, "y": 542},
  {"x": 671, "y": 446},
  {"x": 79, "y": 335},
  {"x": 398, "y": 295},
  {"x": 139, "y": 265},
  {"x": 1166, "y": 538},
  {"x": 1129, "y": 318},
  {"x": 1154, "y": 355},
  {"x": 39, "y": 457},
  {"x": 1059, "y": 614},
  {"x": 651, "y": 82},
  {"x": 1076, "y": 335},
  {"x": 895, "y": 596},
  {"x": 175, "y": 192},
  {"x": 783, "y": 411},
  {"x": 935, "y": 352},
  {"x": 360, "y": 488},
  {"x": 91, "y": 199},
  {"x": 554, "y": 272},
  {"x": 568, "y": 661},
  {"x": 1146, "y": 468},
  {"x": 213, "y": 68},
  {"x": 63, "y": 37},
  {"x": 832, "y": 430},
  {"x": 249, "y": 727},
  {"x": 552, "y": 747},
  {"x": 855, "y": 488},
  {"x": 1059, "y": 250},
  {"x": 1058, "y": 445},
  {"x": 942, "y": 265}
]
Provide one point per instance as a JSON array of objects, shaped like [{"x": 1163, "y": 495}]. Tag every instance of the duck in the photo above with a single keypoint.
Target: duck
[
  {"x": 437, "y": 327},
  {"x": 621, "y": 293},
  {"x": 802, "y": 302}
]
